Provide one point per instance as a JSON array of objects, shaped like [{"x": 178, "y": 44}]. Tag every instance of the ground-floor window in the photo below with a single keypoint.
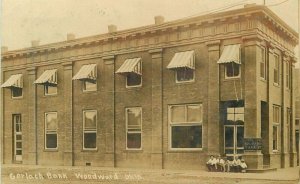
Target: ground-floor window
[
  {"x": 275, "y": 137},
  {"x": 89, "y": 129},
  {"x": 185, "y": 126},
  {"x": 134, "y": 128},
  {"x": 51, "y": 126},
  {"x": 17, "y": 123},
  {"x": 275, "y": 129}
]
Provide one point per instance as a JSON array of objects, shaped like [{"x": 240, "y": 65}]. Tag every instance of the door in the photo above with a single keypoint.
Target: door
[
  {"x": 17, "y": 122},
  {"x": 234, "y": 140}
]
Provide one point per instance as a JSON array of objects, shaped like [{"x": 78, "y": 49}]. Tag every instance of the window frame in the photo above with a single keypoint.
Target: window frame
[
  {"x": 51, "y": 131},
  {"x": 233, "y": 77},
  {"x": 141, "y": 128},
  {"x": 263, "y": 62},
  {"x": 276, "y": 68},
  {"x": 185, "y": 81},
  {"x": 277, "y": 125},
  {"x": 186, "y": 123},
  {"x": 89, "y": 131},
  {"x": 12, "y": 93},
  {"x": 134, "y": 86}
]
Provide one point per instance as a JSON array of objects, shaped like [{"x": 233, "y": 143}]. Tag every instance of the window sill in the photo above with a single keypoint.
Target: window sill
[
  {"x": 133, "y": 87},
  {"x": 17, "y": 98},
  {"x": 86, "y": 92},
  {"x": 53, "y": 95},
  {"x": 232, "y": 78},
  {"x": 262, "y": 79},
  {"x": 276, "y": 85},
  {"x": 134, "y": 150}
]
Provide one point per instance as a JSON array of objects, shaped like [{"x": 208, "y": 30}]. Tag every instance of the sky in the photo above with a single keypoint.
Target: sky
[{"x": 50, "y": 20}]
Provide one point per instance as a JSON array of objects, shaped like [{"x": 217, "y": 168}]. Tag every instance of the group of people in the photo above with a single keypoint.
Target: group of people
[{"x": 219, "y": 164}]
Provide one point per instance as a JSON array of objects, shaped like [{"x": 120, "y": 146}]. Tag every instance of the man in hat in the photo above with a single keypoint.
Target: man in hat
[
  {"x": 243, "y": 166},
  {"x": 211, "y": 164}
]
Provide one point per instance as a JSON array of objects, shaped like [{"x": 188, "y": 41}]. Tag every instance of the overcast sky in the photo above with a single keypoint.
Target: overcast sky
[{"x": 50, "y": 20}]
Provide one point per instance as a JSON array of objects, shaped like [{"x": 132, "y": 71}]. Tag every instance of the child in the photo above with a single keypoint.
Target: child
[
  {"x": 243, "y": 166},
  {"x": 227, "y": 165},
  {"x": 220, "y": 164},
  {"x": 211, "y": 164}
]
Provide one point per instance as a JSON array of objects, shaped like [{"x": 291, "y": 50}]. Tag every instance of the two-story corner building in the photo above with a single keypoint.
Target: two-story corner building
[{"x": 166, "y": 95}]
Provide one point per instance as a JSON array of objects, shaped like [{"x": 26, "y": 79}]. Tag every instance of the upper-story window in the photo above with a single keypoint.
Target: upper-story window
[
  {"x": 183, "y": 63},
  {"x": 49, "y": 80},
  {"x": 287, "y": 75},
  {"x": 15, "y": 83},
  {"x": 132, "y": 70},
  {"x": 276, "y": 69},
  {"x": 262, "y": 63},
  {"x": 88, "y": 75},
  {"x": 231, "y": 58}
]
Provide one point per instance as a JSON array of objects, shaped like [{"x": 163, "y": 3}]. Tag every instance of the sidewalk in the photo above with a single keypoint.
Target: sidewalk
[{"x": 148, "y": 175}]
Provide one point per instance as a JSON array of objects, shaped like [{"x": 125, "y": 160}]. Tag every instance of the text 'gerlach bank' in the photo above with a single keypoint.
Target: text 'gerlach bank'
[{"x": 165, "y": 95}]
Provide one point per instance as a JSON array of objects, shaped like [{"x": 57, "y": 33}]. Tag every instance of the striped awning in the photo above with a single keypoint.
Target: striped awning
[
  {"x": 231, "y": 53},
  {"x": 183, "y": 60},
  {"x": 131, "y": 66},
  {"x": 48, "y": 77},
  {"x": 13, "y": 81},
  {"x": 86, "y": 72}
]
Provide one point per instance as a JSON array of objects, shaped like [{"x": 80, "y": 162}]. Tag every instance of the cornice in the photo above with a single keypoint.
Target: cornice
[{"x": 209, "y": 19}]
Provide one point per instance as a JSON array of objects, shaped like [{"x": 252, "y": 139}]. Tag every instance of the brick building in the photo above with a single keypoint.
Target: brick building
[{"x": 165, "y": 95}]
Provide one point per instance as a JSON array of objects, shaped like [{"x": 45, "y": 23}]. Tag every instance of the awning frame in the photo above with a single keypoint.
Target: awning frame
[
  {"x": 14, "y": 81},
  {"x": 87, "y": 72},
  {"x": 184, "y": 59}
]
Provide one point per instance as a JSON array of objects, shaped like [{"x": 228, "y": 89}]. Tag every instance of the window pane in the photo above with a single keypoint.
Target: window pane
[
  {"x": 51, "y": 121},
  {"x": 239, "y": 117},
  {"x": 90, "y": 140},
  {"x": 90, "y": 119},
  {"x": 230, "y": 117},
  {"x": 18, "y": 152},
  {"x": 89, "y": 85},
  {"x": 51, "y": 140},
  {"x": 229, "y": 151},
  {"x": 134, "y": 118},
  {"x": 240, "y": 151},
  {"x": 186, "y": 136},
  {"x": 18, "y": 137},
  {"x": 16, "y": 92},
  {"x": 229, "y": 136},
  {"x": 184, "y": 74},
  {"x": 18, "y": 128},
  {"x": 239, "y": 110},
  {"x": 178, "y": 114},
  {"x": 134, "y": 140},
  {"x": 232, "y": 70},
  {"x": 50, "y": 89},
  {"x": 194, "y": 113},
  {"x": 133, "y": 79},
  {"x": 18, "y": 144},
  {"x": 230, "y": 110}
]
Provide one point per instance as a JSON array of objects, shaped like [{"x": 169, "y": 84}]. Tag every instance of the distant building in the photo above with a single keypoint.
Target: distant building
[
  {"x": 166, "y": 95},
  {"x": 297, "y": 110}
]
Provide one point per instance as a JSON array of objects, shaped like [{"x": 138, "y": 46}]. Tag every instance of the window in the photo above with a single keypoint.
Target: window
[
  {"x": 134, "y": 128},
  {"x": 185, "y": 126},
  {"x": 235, "y": 114},
  {"x": 276, "y": 70},
  {"x": 133, "y": 79},
  {"x": 183, "y": 64},
  {"x": 16, "y": 92},
  {"x": 90, "y": 129},
  {"x": 17, "y": 123},
  {"x": 50, "y": 89},
  {"x": 232, "y": 70},
  {"x": 51, "y": 126},
  {"x": 185, "y": 75},
  {"x": 132, "y": 70},
  {"x": 263, "y": 63},
  {"x": 89, "y": 85},
  {"x": 287, "y": 75},
  {"x": 276, "y": 123}
]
